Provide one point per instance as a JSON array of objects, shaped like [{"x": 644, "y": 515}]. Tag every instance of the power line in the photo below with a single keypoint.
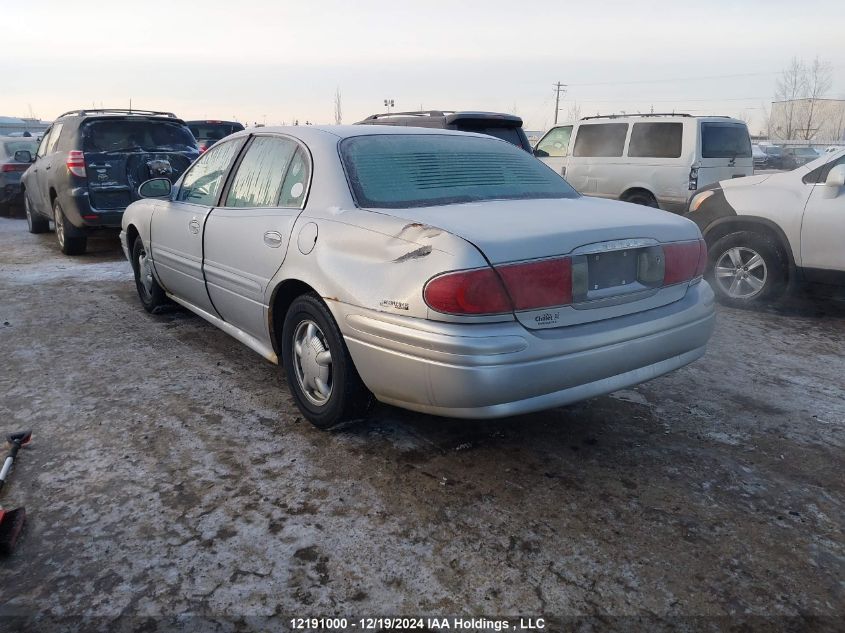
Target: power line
[{"x": 657, "y": 81}]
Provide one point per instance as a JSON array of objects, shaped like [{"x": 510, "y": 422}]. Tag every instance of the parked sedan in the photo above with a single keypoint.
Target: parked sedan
[
  {"x": 443, "y": 272},
  {"x": 796, "y": 156},
  {"x": 15, "y": 157}
]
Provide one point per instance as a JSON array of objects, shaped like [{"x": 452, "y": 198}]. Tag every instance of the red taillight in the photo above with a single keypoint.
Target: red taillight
[
  {"x": 538, "y": 285},
  {"x": 470, "y": 292},
  {"x": 684, "y": 261},
  {"x": 10, "y": 167},
  {"x": 76, "y": 163}
]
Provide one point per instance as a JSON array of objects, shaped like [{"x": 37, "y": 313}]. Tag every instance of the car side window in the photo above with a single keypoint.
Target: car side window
[
  {"x": 201, "y": 185},
  {"x": 54, "y": 137},
  {"x": 295, "y": 185},
  {"x": 600, "y": 140},
  {"x": 819, "y": 174},
  {"x": 556, "y": 142},
  {"x": 42, "y": 146},
  {"x": 258, "y": 180}
]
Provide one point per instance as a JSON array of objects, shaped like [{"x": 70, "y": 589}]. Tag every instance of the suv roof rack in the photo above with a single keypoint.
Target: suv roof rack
[
  {"x": 88, "y": 111},
  {"x": 625, "y": 116},
  {"x": 414, "y": 113}
]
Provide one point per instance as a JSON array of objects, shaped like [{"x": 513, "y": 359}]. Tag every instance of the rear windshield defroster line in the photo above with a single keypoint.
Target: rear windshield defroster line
[{"x": 399, "y": 171}]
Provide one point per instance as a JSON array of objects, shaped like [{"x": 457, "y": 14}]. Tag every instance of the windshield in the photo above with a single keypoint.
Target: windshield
[
  {"x": 136, "y": 134},
  {"x": 805, "y": 151},
  {"x": 402, "y": 171},
  {"x": 725, "y": 140},
  {"x": 213, "y": 131},
  {"x": 11, "y": 147}
]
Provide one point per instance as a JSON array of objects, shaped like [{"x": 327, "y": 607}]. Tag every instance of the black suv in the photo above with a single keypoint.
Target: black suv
[
  {"x": 89, "y": 165},
  {"x": 208, "y": 133},
  {"x": 507, "y": 127}
]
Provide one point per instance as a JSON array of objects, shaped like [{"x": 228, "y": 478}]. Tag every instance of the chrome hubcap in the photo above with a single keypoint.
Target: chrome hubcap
[
  {"x": 145, "y": 271},
  {"x": 741, "y": 272},
  {"x": 60, "y": 227},
  {"x": 312, "y": 362}
]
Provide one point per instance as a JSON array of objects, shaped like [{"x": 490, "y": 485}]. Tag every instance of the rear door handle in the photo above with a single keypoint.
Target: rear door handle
[
  {"x": 273, "y": 239},
  {"x": 194, "y": 225}
]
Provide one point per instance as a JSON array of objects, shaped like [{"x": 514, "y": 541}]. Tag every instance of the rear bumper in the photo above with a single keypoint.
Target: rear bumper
[
  {"x": 78, "y": 210},
  {"x": 502, "y": 369},
  {"x": 11, "y": 193}
]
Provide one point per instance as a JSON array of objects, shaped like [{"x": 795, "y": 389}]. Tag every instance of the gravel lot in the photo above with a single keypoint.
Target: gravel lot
[{"x": 170, "y": 473}]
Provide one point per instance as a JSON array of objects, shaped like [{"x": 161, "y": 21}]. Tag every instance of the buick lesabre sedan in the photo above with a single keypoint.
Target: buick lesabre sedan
[{"x": 443, "y": 272}]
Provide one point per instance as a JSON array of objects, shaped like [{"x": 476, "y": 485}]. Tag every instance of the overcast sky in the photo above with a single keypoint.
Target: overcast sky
[{"x": 280, "y": 61}]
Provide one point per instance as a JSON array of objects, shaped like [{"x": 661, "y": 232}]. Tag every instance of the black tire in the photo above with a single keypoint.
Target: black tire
[
  {"x": 643, "y": 198},
  {"x": 70, "y": 244},
  {"x": 35, "y": 222},
  {"x": 152, "y": 295},
  {"x": 738, "y": 278},
  {"x": 347, "y": 398}
]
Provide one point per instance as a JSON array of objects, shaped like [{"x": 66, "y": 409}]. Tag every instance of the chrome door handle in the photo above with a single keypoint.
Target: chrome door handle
[
  {"x": 194, "y": 225},
  {"x": 273, "y": 239}
]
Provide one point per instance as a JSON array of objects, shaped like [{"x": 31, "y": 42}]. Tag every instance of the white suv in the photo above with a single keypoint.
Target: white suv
[
  {"x": 766, "y": 232},
  {"x": 659, "y": 160}
]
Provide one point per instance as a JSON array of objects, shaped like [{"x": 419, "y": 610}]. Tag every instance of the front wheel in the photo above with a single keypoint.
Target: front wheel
[
  {"x": 151, "y": 294},
  {"x": 746, "y": 269},
  {"x": 70, "y": 244},
  {"x": 34, "y": 222},
  {"x": 320, "y": 372}
]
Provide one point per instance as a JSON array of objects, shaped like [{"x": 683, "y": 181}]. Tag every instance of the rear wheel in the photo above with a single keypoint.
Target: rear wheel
[
  {"x": 70, "y": 244},
  {"x": 34, "y": 222},
  {"x": 643, "y": 198},
  {"x": 150, "y": 293},
  {"x": 319, "y": 370},
  {"x": 747, "y": 268}
]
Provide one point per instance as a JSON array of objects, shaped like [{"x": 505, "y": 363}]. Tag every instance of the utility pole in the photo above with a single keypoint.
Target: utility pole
[{"x": 558, "y": 87}]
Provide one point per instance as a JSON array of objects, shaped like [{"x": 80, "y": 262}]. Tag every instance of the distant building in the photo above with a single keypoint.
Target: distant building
[
  {"x": 15, "y": 126},
  {"x": 814, "y": 120}
]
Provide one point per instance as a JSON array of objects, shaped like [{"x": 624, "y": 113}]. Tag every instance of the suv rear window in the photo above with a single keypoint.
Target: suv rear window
[
  {"x": 127, "y": 135},
  {"x": 509, "y": 134},
  {"x": 404, "y": 171},
  {"x": 600, "y": 139},
  {"x": 656, "y": 140},
  {"x": 725, "y": 140}
]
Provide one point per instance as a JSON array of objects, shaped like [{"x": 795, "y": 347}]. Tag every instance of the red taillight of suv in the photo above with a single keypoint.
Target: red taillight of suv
[
  {"x": 76, "y": 163},
  {"x": 528, "y": 286},
  {"x": 12, "y": 167},
  {"x": 684, "y": 261}
]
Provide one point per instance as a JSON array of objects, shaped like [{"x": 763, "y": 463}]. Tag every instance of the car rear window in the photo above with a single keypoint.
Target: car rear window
[
  {"x": 656, "y": 140},
  {"x": 213, "y": 131},
  {"x": 600, "y": 139},
  {"x": 128, "y": 135},
  {"x": 509, "y": 134},
  {"x": 399, "y": 171},
  {"x": 725, "y": 140},
  {"x": 10, "y": 147}
]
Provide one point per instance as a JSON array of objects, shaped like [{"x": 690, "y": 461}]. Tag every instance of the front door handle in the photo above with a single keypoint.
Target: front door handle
[
  {"x": 273, "y": 239},
  {"x": 194, "y": 225}
]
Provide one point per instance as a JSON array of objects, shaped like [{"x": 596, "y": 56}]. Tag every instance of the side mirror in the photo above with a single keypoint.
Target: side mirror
[
  {"x": 836, "y": 177},
  {"x": 23, "y": 156},
  {"x": 155, "y": 188}
]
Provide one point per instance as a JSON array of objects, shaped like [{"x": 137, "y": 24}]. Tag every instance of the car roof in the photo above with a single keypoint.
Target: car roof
[{"x": 325, "y": 132}]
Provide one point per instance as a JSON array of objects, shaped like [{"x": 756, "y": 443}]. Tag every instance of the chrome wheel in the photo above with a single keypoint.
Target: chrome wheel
[
  {"x": 145, "y": 271},
  {"x": 60, "y": 225},
  {"x": 312, "y": 362},
  {"x": 741, "y": 272}
]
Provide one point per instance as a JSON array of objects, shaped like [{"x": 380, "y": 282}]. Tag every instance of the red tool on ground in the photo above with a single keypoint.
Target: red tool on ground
[{"x": 11, "y": 521}]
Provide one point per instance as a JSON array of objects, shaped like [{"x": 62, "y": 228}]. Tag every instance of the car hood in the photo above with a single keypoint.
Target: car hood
[
  {"x": 515, "y": 230},
  {"x": 748, "y": 181}
]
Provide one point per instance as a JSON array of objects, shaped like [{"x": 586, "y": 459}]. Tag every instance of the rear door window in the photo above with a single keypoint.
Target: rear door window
[
  {"x": 54, "y": 137},
  {"x": 296, "y": 181},
  {"x": 600, "y": 140},
  {"x": 725, "y": 140},
  {"x": 656, "y": 140},
  {"x": 556, "y": 142},
  {"x": 258, "y": 181},
  {"x": 201, "y": 185}
]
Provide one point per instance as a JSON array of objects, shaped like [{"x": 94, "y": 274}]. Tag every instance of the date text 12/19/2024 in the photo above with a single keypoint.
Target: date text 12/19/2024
[{"x": 410, "y": 624}]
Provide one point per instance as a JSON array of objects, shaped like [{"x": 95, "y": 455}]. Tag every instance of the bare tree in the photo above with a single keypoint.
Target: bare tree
[
  {"x": 819, "y": 78},
  {"x": 791, "y": 87},
  {"x": 573, "y": 113},
  {"x": 338, "y": 112}
]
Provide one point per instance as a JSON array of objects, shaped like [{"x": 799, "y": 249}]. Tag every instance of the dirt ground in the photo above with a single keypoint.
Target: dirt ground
[{"x": 171, "y": 473}]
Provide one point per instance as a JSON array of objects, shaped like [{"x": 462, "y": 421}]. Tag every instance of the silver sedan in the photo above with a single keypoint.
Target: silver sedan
[{"x": 438, "y": 271}]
